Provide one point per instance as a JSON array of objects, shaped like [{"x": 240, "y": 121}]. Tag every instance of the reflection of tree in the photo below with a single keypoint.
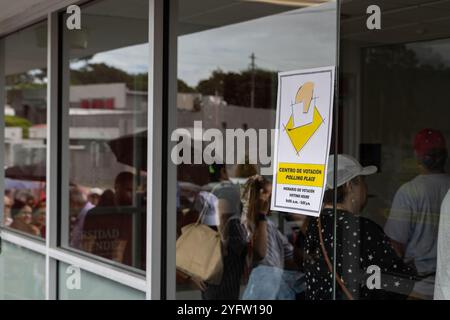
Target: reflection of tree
[
  {"x": 27, "y": 80},
  {"x": 183, "y": 87},
  {"x": 235, "y": 87},
  {"x": 14, "y": 121},
  {"x": 94, "y": 73}
]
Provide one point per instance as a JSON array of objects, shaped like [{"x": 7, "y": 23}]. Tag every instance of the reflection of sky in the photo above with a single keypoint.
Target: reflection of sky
[
  {"x": 296, "y": 39},
  {"x": 133, "y": 59},
  {"x": 291, "y": 40}
]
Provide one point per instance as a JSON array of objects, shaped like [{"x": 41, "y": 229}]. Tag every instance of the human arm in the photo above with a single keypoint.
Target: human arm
[
  {"x": 260, "y": 240},
  {"x": 399, "y": 224},
  {"x": 260, "y": 236},
  {"x": 398, "y": 247},
  {"x": 397, "y": 278}
]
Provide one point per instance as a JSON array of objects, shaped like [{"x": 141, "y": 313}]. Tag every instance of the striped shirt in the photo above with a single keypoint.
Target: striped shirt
[{"x": 279, "y": 249}]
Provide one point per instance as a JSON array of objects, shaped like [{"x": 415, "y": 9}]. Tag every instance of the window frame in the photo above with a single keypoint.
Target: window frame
[
  {"x": 159, "y": 281},
  {"x": 171, "y": 123},
  {"x": 148, "y": 282}
]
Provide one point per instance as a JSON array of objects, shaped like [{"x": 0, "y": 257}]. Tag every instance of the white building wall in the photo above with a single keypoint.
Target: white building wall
[{"x": 117, "y": 91}]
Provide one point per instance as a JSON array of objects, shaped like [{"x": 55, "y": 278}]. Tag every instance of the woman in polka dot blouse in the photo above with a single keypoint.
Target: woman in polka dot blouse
[{"x": 367, "y": 267}]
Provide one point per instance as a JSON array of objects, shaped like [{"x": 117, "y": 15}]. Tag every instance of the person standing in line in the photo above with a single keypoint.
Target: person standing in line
[
  {"x": 274, "y": 272},
  {"x": 225, "y": 217},
  {"x": 359, "y": 243},
  {"x": 413, "y": 221}
]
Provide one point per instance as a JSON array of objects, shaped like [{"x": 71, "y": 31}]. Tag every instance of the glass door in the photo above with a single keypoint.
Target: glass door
[
  {"x": 229, "y": 54},
  {"x": 393, "y": 102}
]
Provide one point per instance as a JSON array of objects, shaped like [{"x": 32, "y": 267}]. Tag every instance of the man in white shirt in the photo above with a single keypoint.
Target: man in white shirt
[
  {"x": 442, "y": 285},
  {"x": 414, "y": 218}
]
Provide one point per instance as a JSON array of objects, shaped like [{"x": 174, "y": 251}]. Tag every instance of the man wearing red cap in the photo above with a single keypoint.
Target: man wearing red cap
[
  {"x": 431, "y": 150},
  {"x": 413, "y": 222}
]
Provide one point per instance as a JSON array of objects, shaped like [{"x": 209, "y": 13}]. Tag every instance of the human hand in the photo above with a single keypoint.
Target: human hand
[
  {"x": 264, "y": 199},
  {"x": 200, "y": 284}
]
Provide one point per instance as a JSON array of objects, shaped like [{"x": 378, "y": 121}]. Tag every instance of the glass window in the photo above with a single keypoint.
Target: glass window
[
  {"x": 394, "y": 115},
  {"x": 105, "y": 67},
  {"x": 25, "y": 65},
  {"x": 22, "y": 273},
  {"x": 89, "y": 286},
  {"x": 229, "y": 56}
]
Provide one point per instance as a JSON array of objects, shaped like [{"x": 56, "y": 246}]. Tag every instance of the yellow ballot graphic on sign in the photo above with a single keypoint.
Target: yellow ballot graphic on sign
[
  {"x": 302, "y": 141},
  {"x": 299, "y": 128},
  {"x": 300, "y": 135}
]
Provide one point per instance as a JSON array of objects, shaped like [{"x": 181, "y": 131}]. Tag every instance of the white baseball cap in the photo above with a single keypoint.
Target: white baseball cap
[{"x": 348, "y": 168}]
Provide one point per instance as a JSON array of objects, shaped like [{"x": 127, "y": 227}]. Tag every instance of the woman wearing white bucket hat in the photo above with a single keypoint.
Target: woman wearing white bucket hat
[{"x": 367, "y": 267}]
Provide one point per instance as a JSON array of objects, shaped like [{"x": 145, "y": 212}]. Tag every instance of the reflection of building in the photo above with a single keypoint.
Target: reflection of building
[
  {"x": 106, "y": 96},
  {"x": 9, "y": 111},
  {"x": 29, "y": 103},
  {"x": 98, "y": 113},
  {"x": 216, "y": 113},
  {"x": 20, "y": 151},
  {"x": 101, "y": 112}
]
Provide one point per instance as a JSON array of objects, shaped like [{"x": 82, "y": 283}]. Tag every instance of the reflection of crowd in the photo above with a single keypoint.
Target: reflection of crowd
[
  {"x": 24, "y": 212},
  {"x": 101, "y": 221}
]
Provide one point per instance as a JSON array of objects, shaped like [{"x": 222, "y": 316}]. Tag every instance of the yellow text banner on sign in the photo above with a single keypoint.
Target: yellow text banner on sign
[{"x": 311, "y": 175}]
